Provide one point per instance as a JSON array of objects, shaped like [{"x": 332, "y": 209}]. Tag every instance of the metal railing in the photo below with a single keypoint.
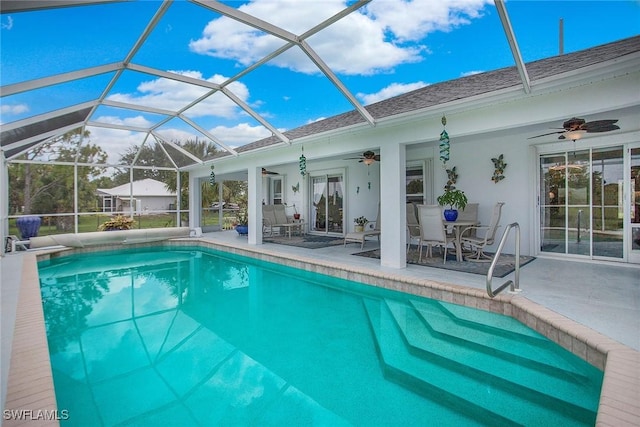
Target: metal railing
[{"x": 515, "y": 283}]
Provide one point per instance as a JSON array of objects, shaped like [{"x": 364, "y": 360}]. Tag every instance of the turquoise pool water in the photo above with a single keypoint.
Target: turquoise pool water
[{"x": 196, "y": 337}]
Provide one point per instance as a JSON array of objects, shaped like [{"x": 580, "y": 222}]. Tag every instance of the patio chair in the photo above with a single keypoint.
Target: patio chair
[
  {"x": 432, "y": 230},
  {"x": 281, "y": 219},
  {"x": 361, "y": 236},
  {"x": 470, "y": 213},
  {"x": 268, "y": 219},
  {"x": 480, "y": 242},
  {"x": 413, "y": 226}
]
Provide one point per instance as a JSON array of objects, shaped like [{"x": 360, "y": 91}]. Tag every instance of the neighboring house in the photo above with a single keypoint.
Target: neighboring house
[
  {"x": 574, "y": 196},
  {"x": 144, "y": 196}
]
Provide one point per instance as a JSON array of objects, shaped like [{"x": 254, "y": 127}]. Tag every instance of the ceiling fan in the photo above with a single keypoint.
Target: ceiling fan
[
  {"x": 266, "y": 172},
  {"x": 575, "y": 127},
  {"x": 368, "y": 157}
]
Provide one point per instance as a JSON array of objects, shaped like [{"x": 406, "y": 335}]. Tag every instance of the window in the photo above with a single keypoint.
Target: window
[
  {"x": 419, "y": 182},
  {"x": 275, "y": 189}
]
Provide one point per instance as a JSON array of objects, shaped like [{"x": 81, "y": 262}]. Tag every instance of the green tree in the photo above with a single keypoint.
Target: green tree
[
  {"x": 48, "y": 188},
  {"x": 155, "y": 155}
]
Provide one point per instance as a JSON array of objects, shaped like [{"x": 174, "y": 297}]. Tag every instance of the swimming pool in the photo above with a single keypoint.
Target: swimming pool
[{"x": 192, "y": 336}]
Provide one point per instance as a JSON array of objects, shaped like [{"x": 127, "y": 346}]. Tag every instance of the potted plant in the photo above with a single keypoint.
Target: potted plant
[
  {"x": 29, "y": 225},
  {"x": 242, "y": 225},
  {"x": 360, "y": 222},
  {"x": 455, "y": 199},
  {"x": 118, "y": 222},
  {"x": 242, "y": 217}
]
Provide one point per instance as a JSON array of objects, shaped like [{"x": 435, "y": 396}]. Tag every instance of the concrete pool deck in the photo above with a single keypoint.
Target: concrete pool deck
[{"x": 593, "y": 309}]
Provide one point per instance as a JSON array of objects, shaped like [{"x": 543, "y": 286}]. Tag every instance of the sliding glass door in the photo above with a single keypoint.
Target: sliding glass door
[
  {"x": 581, "y": 203},
  {"x": 327, "y": 203}
]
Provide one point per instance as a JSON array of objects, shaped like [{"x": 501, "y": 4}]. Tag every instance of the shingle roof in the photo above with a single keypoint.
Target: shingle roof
[{"x": 464, "y": 87}]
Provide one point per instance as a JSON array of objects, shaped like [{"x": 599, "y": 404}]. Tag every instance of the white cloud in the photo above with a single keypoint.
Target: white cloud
[
  {"x": 173, "y": 135},
  {"x": 241, "y": 134},
  {"x": 137, "y": 121},
  {"x": 412, "y": 21},
  {"x": 14, "y": 109},
  {"x": 389, "y": 91},
  {"x": 470, "y": 73},
  {"x": 114, "y": 142},
  {"x": 315, "y": 120},
  {"x": 375, "y": 39},
  {"x": 8, "y": 25},
  {"x": 174, "y": 95}
]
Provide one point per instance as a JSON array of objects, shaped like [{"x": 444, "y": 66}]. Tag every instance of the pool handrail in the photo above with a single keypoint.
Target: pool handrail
[{"x": 515, "y": 283}]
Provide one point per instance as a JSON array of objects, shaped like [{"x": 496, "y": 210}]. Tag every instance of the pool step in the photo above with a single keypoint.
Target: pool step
[
  {"x": 495, "y": 336},
  {"x": 465, "y": 388},
  {"x": 531, "y": 375}
]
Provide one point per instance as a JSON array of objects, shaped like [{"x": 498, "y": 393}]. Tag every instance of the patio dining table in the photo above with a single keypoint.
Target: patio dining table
[{"x": 458, "y": 227}]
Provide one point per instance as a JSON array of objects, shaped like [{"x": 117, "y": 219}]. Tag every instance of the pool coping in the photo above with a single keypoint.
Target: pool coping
[{"x": 30, "y": 383}]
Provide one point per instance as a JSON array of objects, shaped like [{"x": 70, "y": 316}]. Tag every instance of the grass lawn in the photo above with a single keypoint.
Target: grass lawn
[{"x": 88, "y": 223}]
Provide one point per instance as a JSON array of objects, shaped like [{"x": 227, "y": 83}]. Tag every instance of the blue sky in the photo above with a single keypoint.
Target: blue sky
[{"x": 386, "y": 48}]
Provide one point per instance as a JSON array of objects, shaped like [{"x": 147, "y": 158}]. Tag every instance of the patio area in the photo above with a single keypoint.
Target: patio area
[{"x": 602, "y": 297}]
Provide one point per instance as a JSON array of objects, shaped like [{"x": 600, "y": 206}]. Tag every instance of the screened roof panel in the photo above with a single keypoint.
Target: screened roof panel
[
  {"x": 116, "y": 142},
  {"x": 13, "y": 152},
  {"x": 11, "y": 135},
  {"x": 177, "y": 53},
  {"x": 178, "y": 156},
  {"x": 157, "y": 91},
  {"x": 222, "y": 132},
  {"x": 53, "y": 41},
  {"x": 42, "y": 100},
  {"x": 170, "y": 44},
  {"x": 218, "y": 106},
  {"x": 109, "y": 115},
  {"x": 177, "y": 130},
  {"x": 303, "y": 97}
]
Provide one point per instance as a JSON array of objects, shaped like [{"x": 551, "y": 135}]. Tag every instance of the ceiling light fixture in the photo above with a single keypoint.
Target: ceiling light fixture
[{"x": 574, "y": 135}]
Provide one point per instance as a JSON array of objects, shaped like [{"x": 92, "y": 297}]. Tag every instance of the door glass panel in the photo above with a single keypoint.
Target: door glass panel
[
  {"x": 552, "y": 200},
  {"x": 335, "y": 203},
  {"x": 578, "y": 200},
  {"x": 635, "y": 199},
  {"x": 608, "y": 209},
  {"x": 319, "y": 203}
]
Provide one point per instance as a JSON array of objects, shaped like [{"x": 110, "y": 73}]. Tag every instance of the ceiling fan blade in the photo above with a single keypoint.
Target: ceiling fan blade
[
  {"x": 600, "y": 126},
  {"x": 376, "y": 157},
  {"x": 545, "y": 134},
  {"x": 353, "y": 158},
  {"x": 603, "y": 129}
]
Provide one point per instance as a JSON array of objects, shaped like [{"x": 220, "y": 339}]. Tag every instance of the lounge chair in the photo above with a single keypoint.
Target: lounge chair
[
  {"x": 479, "y": 242},
  {"x": 361, "y": 236},
  {"x": 432, "y": 230}
]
